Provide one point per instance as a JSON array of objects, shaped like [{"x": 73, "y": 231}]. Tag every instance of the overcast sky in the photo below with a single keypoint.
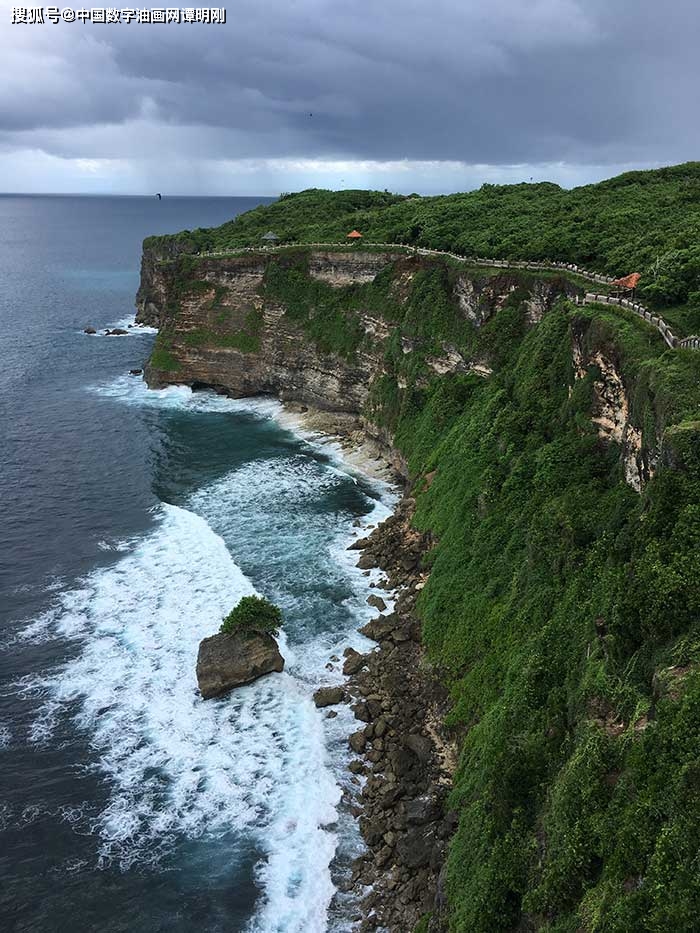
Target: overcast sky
[{"x": 432, "y": 96}]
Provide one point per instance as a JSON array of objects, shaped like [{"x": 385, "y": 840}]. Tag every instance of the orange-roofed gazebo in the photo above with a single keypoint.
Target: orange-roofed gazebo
[
  {"x": 628, "y": 283},
  {"x": 354, "y": 235}
]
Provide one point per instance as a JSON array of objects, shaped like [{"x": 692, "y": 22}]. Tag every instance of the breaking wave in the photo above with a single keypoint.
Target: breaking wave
[{"x": 261, "y": 767}]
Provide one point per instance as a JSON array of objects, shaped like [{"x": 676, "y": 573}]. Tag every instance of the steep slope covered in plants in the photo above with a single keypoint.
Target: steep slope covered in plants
[{"x": 563, "y": 609}]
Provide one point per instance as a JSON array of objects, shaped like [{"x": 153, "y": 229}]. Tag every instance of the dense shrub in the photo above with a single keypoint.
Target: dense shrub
[{"x": 253, "y": 614}]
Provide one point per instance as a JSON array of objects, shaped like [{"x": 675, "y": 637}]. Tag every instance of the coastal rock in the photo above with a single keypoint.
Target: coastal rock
[
  {"x": 367, "y": 562},
  {"x": 90, "y": 330},
  {"x": 135, "y": 372},
  {"x": 329, "y": 696},
  {"x": 357, "y": 742},
  {"x": 116, "y": 332},
  {"x": 420, "y": 745},
  {"x": 380, "y": 628},
  {"x": 354, "y": 661},
  {"x": 376, "y": 602},
  {"x": 415, "y": 847},
  {"x": 228, "y": 661}
]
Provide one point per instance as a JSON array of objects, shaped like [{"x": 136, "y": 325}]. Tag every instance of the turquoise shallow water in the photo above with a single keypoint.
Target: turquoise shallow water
[{"x": 132, "y": 521}]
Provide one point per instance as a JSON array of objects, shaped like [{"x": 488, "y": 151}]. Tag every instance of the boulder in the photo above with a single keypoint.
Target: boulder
[
  {"x": 228, "y": 661},
  {"x": 90, "y": 330},
  {"x": 367, "y": 561},
  {"x": 357, "y": 742},
  {"x": 117, "y": 332},
  {"x": 376, "y": 602},
  {"x": 422, "y": 810},
  {"x": 420, "y": 745},
  {"x": 354, "y": 662},
  {"x": 135, "y": 372},
  {"x": 328, "y": 696},
  {"x": 361, "y": 712},
  {"x": 380, "y": 628},
  {"x": 415, "y": 847}
]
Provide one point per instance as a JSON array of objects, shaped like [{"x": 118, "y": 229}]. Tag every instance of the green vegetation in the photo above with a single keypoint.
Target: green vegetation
[
  {"x": 564, "y": 611},
  {"x": 162, "y": 356},
  {"x": 325, "y": 312},
  {"x": 247, "y": 341},
  {"x": 641, "y": 221},
  {"x": 253, "y": 614}
]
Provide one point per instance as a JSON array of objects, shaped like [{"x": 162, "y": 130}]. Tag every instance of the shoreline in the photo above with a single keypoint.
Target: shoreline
[
  {"x": 401, "y": 761},
  {"x": 403, "y": 756},
  {"x": 348, "y": 432}
]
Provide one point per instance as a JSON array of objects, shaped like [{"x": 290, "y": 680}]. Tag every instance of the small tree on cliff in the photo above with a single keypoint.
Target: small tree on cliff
[{"x": 253, "y": 614}]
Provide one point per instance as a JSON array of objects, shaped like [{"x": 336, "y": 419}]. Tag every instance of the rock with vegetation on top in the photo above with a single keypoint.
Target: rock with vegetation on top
[
  {"x": 227, "y": 661},
  {"x": 244, "y": 649}
]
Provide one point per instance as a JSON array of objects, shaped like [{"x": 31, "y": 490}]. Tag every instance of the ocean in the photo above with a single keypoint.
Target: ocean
[{"x": 131, "y": 521}]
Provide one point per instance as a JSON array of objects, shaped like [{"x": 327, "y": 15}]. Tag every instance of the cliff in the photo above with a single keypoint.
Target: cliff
[
  {"x": 551, "y": 453},
  {"x": 319, "y": 328}
]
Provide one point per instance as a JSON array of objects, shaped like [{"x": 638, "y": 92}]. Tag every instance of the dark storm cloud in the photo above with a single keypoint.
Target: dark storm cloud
[{"x": 497, "y": 82}]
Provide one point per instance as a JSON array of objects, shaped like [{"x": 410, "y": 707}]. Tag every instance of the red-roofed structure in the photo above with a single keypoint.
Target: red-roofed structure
[
  {"x": 629, "y": 282},
  {"x": 354, "y": 235}
]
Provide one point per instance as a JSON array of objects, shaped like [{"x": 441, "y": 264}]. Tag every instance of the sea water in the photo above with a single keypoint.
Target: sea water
[{"x": 132, "y": 521}]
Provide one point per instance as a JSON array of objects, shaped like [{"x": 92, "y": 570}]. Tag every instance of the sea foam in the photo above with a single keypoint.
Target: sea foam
[
  {"x": 262, "y": 765},
  {"x": 239, "y": 767}
]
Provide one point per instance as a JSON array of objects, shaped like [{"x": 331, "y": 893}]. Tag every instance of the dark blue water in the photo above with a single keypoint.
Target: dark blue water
[{"x": 131, "y": 521}]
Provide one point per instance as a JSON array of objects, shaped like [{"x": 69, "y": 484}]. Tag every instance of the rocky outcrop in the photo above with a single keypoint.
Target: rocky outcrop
[
  {"x": 329, "y": 696},
  {"x": 280, "y": 360},
  {"x": 479, "y": 298},
  {"x": 343, "y": 268},
  {"x": 228, "y": 661},
  {"x": 611, "y": 411}
]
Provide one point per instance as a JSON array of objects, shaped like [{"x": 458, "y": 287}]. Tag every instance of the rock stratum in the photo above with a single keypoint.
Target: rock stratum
[{"x": 527, "y": 726}]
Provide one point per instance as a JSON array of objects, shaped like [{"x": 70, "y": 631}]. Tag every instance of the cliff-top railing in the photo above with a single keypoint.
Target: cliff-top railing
[{"x": 674, "y": 342}]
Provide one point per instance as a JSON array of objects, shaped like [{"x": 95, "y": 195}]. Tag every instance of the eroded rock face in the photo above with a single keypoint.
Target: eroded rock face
[
  {"x": 343, "y": 268},
  {"x": 226, "y": 297},
  {"x": 408, "y": 756},
  {"x": 479, "y": 299},
  {"x": 285, "y": 362},
  {"x": 611, "y": 413},
  {"x": 228, "y": 661}
]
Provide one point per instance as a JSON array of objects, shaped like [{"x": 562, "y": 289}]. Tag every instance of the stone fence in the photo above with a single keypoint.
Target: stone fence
[
  {"x": 685, "y": 343},
  {"x": 691, "y": 343}
]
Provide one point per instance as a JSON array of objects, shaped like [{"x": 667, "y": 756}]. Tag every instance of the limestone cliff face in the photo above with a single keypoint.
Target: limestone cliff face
[
  {"x": 220, "y": 326},
  {"x": 227, "y": 300},
  {"x": 479, "y": 300},
  {"x": 611, "y": 412}
]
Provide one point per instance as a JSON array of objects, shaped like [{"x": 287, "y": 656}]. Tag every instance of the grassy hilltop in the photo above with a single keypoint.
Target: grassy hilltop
[{"x": 646, "y": 222}]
